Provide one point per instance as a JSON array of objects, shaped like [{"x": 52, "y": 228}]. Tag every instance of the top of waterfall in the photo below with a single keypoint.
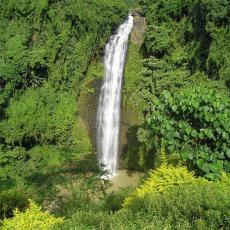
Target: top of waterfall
[{"x": 125, "y": 29}]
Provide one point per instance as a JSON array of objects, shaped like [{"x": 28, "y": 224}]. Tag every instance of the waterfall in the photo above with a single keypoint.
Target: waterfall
[{"x": 108, "y": 114}]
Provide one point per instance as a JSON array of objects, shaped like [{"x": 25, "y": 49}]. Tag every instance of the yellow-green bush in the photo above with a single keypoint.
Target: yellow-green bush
[
  {"x": 32, "y": 219},
  {"x": 224, "y": 179},
  {"x": 165, "y": 177}
]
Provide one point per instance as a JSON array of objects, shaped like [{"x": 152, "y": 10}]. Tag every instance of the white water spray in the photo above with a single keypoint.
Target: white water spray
[{"x": 108, "y": 115}]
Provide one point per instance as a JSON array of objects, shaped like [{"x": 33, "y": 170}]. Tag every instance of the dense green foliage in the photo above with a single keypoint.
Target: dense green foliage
[
  {"x": 198, "y": 205},
  {"x": 164, "y": 178},
  {"x": 187, "y": 54},
  {"x": 32, "y": 218},
  {"x": 194, "y": 122},
  {"x": 46, "y": 47},
  {"x": 176, "y": 90},
  {"x": 170, "y": 198}
]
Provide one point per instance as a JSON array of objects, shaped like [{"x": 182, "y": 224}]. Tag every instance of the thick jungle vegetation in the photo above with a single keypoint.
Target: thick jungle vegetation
[
  {"x": 46, "y": 47},
  {"x": 178, "y": 82},
  {"x": 185, "y": 84}
]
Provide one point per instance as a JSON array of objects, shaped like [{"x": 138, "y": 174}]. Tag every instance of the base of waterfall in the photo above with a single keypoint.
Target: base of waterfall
[
  {"x": 107, "y": 173},
  {"x": 108, "y": 176},
  {"x": 124, "y": 178}
]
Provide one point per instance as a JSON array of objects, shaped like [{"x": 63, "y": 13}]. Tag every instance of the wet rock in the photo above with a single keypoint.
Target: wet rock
[{"x": 137, "y": 35}]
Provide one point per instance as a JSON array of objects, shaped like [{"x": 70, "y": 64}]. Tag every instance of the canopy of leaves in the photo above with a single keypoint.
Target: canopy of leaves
[
  {"x": 45, "y": 49},
  {"x": 194, "y": 122},
  {"x": 187, "y": 44},
  {"x": 196, "y": 31}
]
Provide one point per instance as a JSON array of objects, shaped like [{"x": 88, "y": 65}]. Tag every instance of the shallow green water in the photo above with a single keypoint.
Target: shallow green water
[{"x": 126, "y": 178}]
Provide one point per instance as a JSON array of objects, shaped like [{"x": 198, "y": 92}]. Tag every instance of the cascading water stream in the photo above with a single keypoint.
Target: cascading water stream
[{"x": 108, "y": 115}]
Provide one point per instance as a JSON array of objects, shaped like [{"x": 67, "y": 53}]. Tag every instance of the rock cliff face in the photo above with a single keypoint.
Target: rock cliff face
[
  {"x": 137, "y": 36},
  {"x": 87, "y": 108}
]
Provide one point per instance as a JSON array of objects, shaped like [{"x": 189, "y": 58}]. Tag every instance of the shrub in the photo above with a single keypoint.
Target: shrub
[
  {"x": 113, "y": 201},
  {"x": 40, "y": 116},
  {"x": 195, "y": 122},
  {"x": 32, "y": 218},
  {"x": 172, "y": 198},
  {"x": 85, "y": 220},
  {"x": 194, "y": 206},
  {"x": 164, "y": 178},
  {"x": 11, "y": 199}
]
